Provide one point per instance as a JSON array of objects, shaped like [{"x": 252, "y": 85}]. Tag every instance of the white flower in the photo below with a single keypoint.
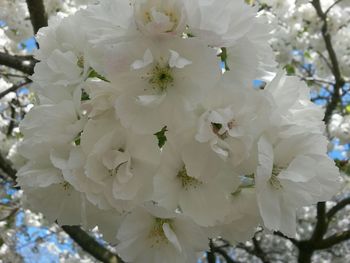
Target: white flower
[
  {"x": 138, "y": 131},
  {"x": 108, "y": 221},
  {"x": 294, "y": 112},
  {"x": 161, "y": 16},
  {"x": 153, "y": 235},
  {"x": 38, "y": 173},
  {"x": 339, "y": 127},
  {"x": 48, "y": 125},
  {"x": 101, "y": 97},
  {"x": 162, "y": 81},
  {"x": 223, "y": 22},
  {"x": 234, "y": 119},
  {"x": 64, "y": 60},
  {"x": 196, "y": 194},
  {"x": 16, "y": 159},
  {"x": 121, "y": 165},
  {"x": 46, "y": 191},
  {"x": 61, "y": 68},
  {"x": 109, "y": 22},
  {"x": 291, "y": 174},
  {"x": 244, "y": 217}
]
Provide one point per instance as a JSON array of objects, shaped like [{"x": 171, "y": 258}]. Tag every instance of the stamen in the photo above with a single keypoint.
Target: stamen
[
  {"x": 161, "y": 77},
  {"x": 157, "y": 233},
  {"x": 274, "y": 181},
  {"x": 187, "y": 181}
]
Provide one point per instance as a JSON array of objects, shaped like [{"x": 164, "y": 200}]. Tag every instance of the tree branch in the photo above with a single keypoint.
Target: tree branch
[
  {"x": 14, "y": 88},
  {"x": 12, "y": 213},
  {"x": 317, "y": 241},
  {"x": 7, "y": 168},
  {"x": 259, "y": 252},
  {"x": 11, "y": 75},
  {"x": 90, "y": 245},
  {"x": 343, "y": 203},
  {"x": 321, "y": 225},
  {"x": 37, "y": 13},
  {"x": 24, "y": 64},
  {"x": 211, "y": 254},
  {"x": 293, "y": 240},
  {"x": 313, "y": 79},
  {"x": 339, "y": 81},
  {"x": 332, "y": 5},
  {"x": 325, "y": 60},
  {"x": 224, "y": 254},
  {"x": 333, "y": 240},
  {"x": 11, "y": 126}
]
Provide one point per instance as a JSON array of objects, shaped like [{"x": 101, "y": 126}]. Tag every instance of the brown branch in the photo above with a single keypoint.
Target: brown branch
[
  {"x": 280, "y": 234},
  {"x": 317, "y": 241},
  {"x": 253, "y": 251},
  {"x": 307, "y": 247},
  {"x": 37, "y": 13},
  {"x": 7, "y": 168},
  {"x": 14, "y": 88},
  {"x": 11, "y": 126},
  {"x": 259, "y": 252},
  {"x": 211, "y": 258},
  {"x": 11, "y": 75},
  {"x": 325, "y": 60},
  {"x": 223, "y": 253},
  {"x": 313, "y": 79},
  {"x": 333, "y": 240},
  {"x": 24, "y": 64},
  {"x": 339, "y": 81},
  {"x": 321, "y": 224},
  {"x": 332, "y": 5},
  {"x": 11, "y": 214},
  {"x": 90, "y": 245},
  {"x": 340, "y": 205}
]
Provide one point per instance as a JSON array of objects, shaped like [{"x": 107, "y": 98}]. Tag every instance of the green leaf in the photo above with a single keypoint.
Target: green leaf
[
  {"x": 289, "y": 69},
  {"x": 217, "y": 126},
  {"x": 347, "y": 108},
  {"x": 223, "y": 57},
  {"x": 161, "y": 136},
  {"x": 250, "y": 2},
  {"x": 84, "y": 96},
  {"x": 343, "y": 166},
  {"x": 94, "y": 74},
  {"x": 307, "y": 55},
  {"x": 77, "y": 139}
]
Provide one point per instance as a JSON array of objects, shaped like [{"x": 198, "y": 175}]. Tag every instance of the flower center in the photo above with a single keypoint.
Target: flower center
[
  {"x": 157, "y": 233},
  {"x": 166, "y": 20},
  {"x": 65, "y": 185},
  {"x": 161, "y": 77},
  {"x": 217, "y": 129},
  {"x": 274, "y": 181},
  {"x": 81, "y": 62},
  {"x": 187, "y": 181}
]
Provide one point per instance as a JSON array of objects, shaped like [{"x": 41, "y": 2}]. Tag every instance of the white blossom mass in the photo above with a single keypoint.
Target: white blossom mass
[{"x": 148, "y": 125}]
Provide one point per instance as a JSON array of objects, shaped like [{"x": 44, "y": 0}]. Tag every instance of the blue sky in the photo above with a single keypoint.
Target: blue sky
[{"x": 29, "y": 44}]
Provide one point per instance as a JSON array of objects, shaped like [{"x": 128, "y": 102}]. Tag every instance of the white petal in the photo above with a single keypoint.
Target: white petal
[
  {"x": 176, "y": 61},
  {"x": 171, "y": 236},
  {"x": 147, "y": 59}
]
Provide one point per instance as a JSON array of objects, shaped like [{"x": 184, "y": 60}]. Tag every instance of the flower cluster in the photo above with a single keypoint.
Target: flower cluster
[
  {"x": 299, "y": 28},
  {"x": 339, "y": 127},
  {"x": 14, "y": 16},
  {"x": 148, "y": 125}
]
